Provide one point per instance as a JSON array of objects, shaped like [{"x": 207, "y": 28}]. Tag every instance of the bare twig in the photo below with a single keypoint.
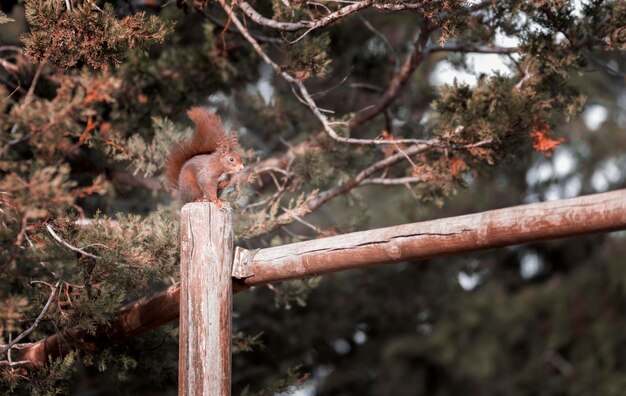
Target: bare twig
[
  {"x": 397, "y": 6},
  {"x": 367, "y": 87},
  {"x": 396, "y": 84},
  {"x": 333, "y": 134},
  {"x": 35, "y": 324},
  {"x": 305, "y": 223},
  {"x": 33, "y": 84},
  {"x": 325, "y": 20},
  {"x": 67, "y": 245},
  {"x": 8, "y": 66},
  {"x": 267, "y": 169},
  {"x": 9, "y": 352},
  {"x": 384, "y": 39},
  {"x": 320, "y": 5},
  {"x": 14, "y": 365},
  {"x": 560, "y": 363},
  {"x": 392, "y": 182},
  {"x": 13, "y": 48},
  {"x": 328, "y": 90},
  {"x": 260, "y": 37},
  {"x": 295, "y": 26},
  {"x": 315, "y": 201},
  {"x": 479, "y": 49},
  {"x": 306, "y": 97}
]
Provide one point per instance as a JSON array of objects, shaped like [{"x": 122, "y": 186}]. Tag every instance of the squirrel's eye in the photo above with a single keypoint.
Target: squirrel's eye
[{"x": 231, "y": 159}]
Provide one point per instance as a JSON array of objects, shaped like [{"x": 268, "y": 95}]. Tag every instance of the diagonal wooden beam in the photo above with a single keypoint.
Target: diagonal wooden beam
[{"x": 409, "y": 242}]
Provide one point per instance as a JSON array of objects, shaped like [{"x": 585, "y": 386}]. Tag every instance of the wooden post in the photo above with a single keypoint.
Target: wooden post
[{"x": 204, "y": 366}]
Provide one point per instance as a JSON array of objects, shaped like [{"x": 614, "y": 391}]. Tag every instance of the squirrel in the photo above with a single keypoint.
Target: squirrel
[{"x": 195, "y": 167}]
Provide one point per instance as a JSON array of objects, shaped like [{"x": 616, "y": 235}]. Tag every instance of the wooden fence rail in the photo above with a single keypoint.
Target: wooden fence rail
[{"x": 418, "y": 241}]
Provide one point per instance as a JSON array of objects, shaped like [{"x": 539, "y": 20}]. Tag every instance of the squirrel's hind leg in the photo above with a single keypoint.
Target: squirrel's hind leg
[{"x": 188, "y": 187}]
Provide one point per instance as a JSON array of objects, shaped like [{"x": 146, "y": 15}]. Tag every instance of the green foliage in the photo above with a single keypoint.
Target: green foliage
[
  {"x": 56, "y": 127},
  {"x": 294, "y": 291},
  {"x": 180, "y": 76},
  {"x": 54, "y": 379},
  {"x": 312, "y": 167},
  {"x": 450, "y": 15},
  {"x": 293, "y": 13},
  {"x": 613, "y": 31},
  {"x": 309, "y": 57},
  {"x": 41, "y": 193},
  {"x": 98, "y": 38},
  {"x": 149, "y": 158},
  {"x": 133, "y": 257},
  {"x": 501, "y": 111},
  {"x": 246, "y": 343}
]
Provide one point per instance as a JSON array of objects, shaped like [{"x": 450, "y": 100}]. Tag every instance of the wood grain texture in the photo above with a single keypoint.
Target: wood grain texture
[
  {"x": 204, "y": 366},
  {"x": 418, "y": 241}
]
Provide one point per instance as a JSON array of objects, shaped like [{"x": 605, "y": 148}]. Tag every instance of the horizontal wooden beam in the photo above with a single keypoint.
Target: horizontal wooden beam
[
  {"x": 454, "y": 235},
  {"x": 410, "y": 242}
]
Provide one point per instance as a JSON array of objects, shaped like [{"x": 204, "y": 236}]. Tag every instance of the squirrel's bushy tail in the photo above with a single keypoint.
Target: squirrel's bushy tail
[{"x": 206, "y": 139}]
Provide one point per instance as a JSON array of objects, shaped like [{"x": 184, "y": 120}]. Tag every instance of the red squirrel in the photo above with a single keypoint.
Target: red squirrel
[{"x": 194, "y": 167}]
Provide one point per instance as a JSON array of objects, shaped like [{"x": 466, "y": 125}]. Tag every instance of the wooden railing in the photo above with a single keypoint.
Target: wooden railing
[{"x": 204, "y": 297}]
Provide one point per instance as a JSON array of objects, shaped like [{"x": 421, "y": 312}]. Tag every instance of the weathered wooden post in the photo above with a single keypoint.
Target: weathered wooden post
[{"x": 204, "y": 366}]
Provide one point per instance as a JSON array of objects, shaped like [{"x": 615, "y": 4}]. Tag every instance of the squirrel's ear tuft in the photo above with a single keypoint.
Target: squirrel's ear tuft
[
  {"x": 234, "y": 142},
  {"x": 223, "y": 144}
]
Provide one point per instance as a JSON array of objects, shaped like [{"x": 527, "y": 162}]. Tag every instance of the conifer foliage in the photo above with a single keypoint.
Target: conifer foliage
[{"x": 335, "y": 106}]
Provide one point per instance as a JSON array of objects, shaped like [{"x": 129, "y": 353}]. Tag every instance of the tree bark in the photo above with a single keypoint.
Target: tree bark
[{"x": 410, "y": 242}]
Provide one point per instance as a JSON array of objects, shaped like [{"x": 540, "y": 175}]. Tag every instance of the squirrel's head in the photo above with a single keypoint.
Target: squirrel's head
[{"x": 231, "y": 161}]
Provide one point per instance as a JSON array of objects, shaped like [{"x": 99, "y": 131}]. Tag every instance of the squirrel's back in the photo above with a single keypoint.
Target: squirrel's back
[{"x": 206, "y": 139}]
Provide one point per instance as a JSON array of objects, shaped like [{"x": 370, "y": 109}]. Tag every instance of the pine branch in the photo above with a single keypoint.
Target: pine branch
[
  {"x": 323, "y": 21},
  {"x": 316, "y": 200},
  {"x": 35, "y": 323},
  {"x": 306, "y": 97},
  {"x": 67, "y": 245}
]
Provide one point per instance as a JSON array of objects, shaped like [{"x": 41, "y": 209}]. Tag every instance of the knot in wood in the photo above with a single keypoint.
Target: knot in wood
[{"x": 393, "y": 251}]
